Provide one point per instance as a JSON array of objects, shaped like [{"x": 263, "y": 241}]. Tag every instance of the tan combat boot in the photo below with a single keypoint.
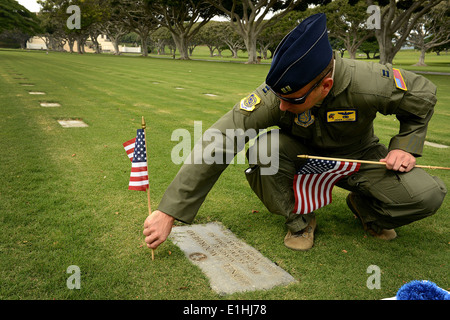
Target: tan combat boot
[
  {"x": 384, "y": 234},
  {"x": 302, "y": 240}
]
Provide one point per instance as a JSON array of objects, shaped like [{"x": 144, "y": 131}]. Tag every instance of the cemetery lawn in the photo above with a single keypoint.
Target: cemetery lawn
[{"x": 64, "y": 197}]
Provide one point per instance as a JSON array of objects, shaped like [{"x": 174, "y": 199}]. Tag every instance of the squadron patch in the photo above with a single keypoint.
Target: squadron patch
[
  {"x": 249, "y": 103},
  {"x": 304, "y": 119},
  {"x": 341, "y": 116},
  {"x": 399, "y": 81}
]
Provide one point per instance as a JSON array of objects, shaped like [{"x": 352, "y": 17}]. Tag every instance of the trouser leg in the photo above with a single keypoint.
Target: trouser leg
[
  {"x": 276, "y": 190},
  {"x": 388, "y": 199}
]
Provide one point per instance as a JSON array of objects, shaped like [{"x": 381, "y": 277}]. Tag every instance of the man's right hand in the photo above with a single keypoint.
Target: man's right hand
[{"x": 157, "y": 228}]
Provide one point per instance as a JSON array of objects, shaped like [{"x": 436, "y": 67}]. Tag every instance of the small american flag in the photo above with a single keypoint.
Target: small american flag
[
  {"x": 135, "y": 149},
  {"x": 315, "y": 180}
]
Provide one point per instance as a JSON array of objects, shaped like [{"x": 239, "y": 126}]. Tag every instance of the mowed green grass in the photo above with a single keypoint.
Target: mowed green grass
[{"x": 64, "y": 199}]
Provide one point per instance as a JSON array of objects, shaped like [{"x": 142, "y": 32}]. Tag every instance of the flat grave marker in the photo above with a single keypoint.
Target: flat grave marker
[
  {"x": 50, "y": 104},
  {"x": 72, "y": 123},
  {"x": 230, "y": 264}
]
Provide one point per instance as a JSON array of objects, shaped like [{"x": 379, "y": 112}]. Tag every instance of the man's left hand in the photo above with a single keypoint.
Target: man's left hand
[{"x": 399, "y": 160}]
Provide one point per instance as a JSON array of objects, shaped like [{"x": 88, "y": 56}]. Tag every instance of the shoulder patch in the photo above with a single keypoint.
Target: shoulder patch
[
  {"x": 399, "y": 81},
  {"x": 250, "y": 102}
]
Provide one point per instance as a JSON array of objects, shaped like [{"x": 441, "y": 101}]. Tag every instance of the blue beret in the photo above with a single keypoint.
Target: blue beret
[{"x": 301, "y": 56}]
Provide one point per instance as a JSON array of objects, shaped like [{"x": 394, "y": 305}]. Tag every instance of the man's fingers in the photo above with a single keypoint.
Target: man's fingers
[
  {"x": 153, "y": 241},
  {"x": 157, "y": 227},
  {"x": 398, "y": 160}
]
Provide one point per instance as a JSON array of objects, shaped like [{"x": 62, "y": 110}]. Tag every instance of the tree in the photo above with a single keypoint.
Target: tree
[
  {"x": 137, "y": 18},
  {"x": 53, "y": 17},
  {"x": 370, "y": 45},
  {"x": 14, "y": 16},
  {"x": 52, "y": 32},
  {"x": 233, "y": 40},
  {"x": 439, "y": 49},
  {"x": 247, "y": 17},
  {"x": 347, "y": 23},
  {"x": 17, "y": 24},
  {"x": 398, "y": 16},
  {"x": 162, "y": 38},
  {"x": 432, "y": 30},
  {"x": 212, "y": 35},
  {"x": 92, "y": 13},
  {"x": 113, "y": 25},
  {"x": 182, "y": 18}
]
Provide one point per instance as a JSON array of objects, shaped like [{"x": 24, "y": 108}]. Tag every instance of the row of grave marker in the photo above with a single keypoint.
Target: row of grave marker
[
  {"x": 73, "y": 123},
  {"x": 67, "y": 123},
  {"x": 79, "y": 123}
]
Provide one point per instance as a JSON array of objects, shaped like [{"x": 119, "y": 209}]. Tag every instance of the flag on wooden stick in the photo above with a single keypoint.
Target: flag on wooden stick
[
  {"x": 314, "y": 181},
  {"x": 137, "y": 153},
  {"x": 136, "y": 150}
]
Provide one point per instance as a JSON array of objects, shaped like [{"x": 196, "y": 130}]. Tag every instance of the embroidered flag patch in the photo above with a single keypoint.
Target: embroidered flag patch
[{"x": 399, "y": 81}]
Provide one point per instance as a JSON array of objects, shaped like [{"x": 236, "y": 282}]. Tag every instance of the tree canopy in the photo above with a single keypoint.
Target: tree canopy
[{"x": 15, "y": 17}]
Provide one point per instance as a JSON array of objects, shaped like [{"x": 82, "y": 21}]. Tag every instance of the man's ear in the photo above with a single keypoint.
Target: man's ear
[{"x": 327, "y": 84}]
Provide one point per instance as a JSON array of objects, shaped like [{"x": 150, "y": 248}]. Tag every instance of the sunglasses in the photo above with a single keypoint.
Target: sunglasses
[{"x": 302, "y": 99}]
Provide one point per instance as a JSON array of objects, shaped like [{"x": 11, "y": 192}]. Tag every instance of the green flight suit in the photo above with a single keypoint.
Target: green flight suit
[{"x": 342, "y": 126}]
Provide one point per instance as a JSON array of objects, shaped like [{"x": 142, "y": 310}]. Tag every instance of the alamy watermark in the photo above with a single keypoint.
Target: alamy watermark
[
  {"x": 374, "y": 21},
  {"x": 74, "y": 281},
  {"x": 374, "y": 280},
  {"x": 74, "y": 21},
  {"x": 218, "y": 147}
]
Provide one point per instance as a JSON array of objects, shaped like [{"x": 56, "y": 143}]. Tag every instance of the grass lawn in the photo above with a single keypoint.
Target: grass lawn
[{"x": 64, "y": 197}]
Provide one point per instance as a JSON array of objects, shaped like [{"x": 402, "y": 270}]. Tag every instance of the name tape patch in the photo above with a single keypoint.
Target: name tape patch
[{"x": 342, "y": 116}]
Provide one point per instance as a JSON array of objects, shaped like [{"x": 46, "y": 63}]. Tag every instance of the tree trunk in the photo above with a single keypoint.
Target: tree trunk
[
  {"x": 79, "y": 44},
  {"x": 352, "y": 52},
  {"x": 96, "y": 45},
  {"x": 421, "y": 62},
  {"x": 71, "y": 43},
  {"x": 250, "y": 44},
  {"x": 181, "y": 43},
  {"x": 115, "y": 42},
  {"x": 211, "y": 50},
  {"x": 144, "y": 46},
  {"x": 387, "y": 50}
]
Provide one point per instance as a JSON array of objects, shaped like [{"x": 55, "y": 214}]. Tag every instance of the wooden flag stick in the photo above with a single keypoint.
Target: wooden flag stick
[
  {"x": 148, "y": 189},
  {"x": 304, "y": 156}
]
